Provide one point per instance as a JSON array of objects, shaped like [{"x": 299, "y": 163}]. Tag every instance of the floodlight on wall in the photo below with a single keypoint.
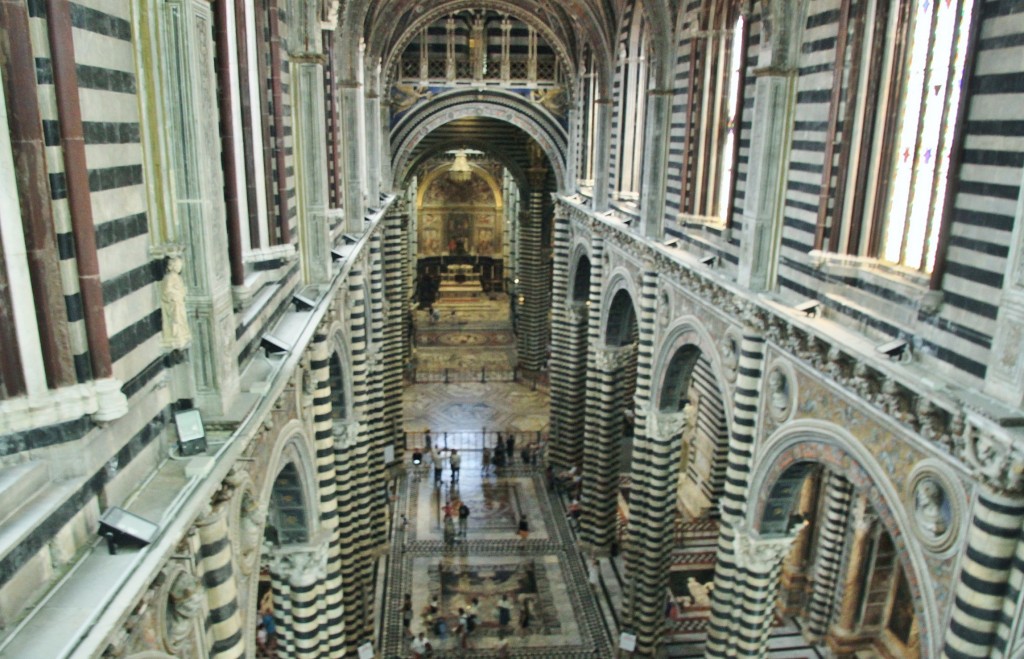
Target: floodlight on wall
[
  {"x": 303, "y": 303},
  {"x": 671, "y": 242},
  {"x": 709, "y": 261},
  {"x": 191, "y": 432},
  {"x": 896, "y": 350},
  {"x": 273, "y": 345},
  {"x": 122, "y": 529},
  {"x": 810, "y": 308}
]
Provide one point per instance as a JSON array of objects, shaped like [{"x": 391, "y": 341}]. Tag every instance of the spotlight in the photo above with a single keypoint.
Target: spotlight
[
  {"x": 896, "y": 350},
  {"x": 303, "y": 303},
  {"x": 417, "y": 457},
  {"x": 273, "y": 345},
  {"x": 122, "y": 528},
  {"x": 191, "y": 433},
  {"x": 671, "y": 242},
  {"x": 709, "y": 261},
  {"x": 810, "y": 308}
]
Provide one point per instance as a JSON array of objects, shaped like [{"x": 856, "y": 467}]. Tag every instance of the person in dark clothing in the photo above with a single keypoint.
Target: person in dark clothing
[{"x": 510, "y": 448}]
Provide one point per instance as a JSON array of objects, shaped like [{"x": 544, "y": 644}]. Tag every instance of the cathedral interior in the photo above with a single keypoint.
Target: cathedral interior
[{"x": 709, "y": 312}]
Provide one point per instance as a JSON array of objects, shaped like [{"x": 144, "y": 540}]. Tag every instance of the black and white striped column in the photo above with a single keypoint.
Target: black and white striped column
[
  {"x": 352, "y": 449},
  {"x": 726, "y": 594},
  {"x": 534, "y": 288},
  {"x": 568, "y": 366},
  {"x": 829, "y": 550},
  {"x": 298, "y": 577},
  {"x": 374, "y": 414},
  {"x": 759, "y": 565},
  {"x": 657, "y": 439},
  {"x": 601, "y": 469},
  {"x": 323, "y": 435},
  {"x": 992, "y": 544},
  {"x": 393, "y": 349},
  {"x": 217, "y": 565}
]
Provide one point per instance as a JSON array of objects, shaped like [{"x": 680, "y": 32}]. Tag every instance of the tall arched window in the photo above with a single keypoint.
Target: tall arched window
[
  {"x": 630, "y": 91},
  {"x": 898, "y": 76},
  {"x": 712, "y": 109}
]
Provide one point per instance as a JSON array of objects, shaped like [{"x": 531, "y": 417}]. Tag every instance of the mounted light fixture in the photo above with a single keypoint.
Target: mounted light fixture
[{"x": 460, "y": 171}]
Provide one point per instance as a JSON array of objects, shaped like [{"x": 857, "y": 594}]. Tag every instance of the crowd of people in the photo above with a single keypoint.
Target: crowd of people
[
  {"x": 455, "y": 627},
  {"x": 457, "y": 632}
]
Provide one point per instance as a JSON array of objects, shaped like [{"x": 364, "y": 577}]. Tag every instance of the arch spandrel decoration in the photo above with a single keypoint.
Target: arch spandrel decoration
[
  {"x": 816, "y": 442},
  {"x": 511, "y": 108}
]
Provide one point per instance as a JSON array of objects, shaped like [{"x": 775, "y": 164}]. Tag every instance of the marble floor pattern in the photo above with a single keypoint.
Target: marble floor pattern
[{"x": 490, "y": 560}]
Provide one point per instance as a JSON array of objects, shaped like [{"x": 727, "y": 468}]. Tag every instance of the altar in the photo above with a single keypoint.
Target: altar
[{"x": 459, "y": 280}]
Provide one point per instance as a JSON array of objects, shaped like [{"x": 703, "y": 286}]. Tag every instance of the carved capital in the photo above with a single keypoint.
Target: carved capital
[
  {"x": 611, "y": 359},
  {"x": 761, "y": 555},
  {"x": 664, "y": 425},
  {"x": 994, "y": 463}
]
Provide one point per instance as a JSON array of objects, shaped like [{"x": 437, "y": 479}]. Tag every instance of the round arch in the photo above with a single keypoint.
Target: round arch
[
  {"x": 689, "y": 331},
  {"x": 814, "y": 442},
  {"x": 339, "y": 349},
  {"x": 621, "y": 290},
  {"x": 295, "y": 449},
  {"x": 503, "y": 106},
  {"x": 578, "y": 290},
  {"x": 441, "y": 170}
]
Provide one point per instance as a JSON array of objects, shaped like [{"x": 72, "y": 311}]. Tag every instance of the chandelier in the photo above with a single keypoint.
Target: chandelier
[{"x": 460, "y": 171}]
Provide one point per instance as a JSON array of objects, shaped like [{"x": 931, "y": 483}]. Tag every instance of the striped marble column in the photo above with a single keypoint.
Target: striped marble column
[
  {"x": 568, "y": 366},
  {"x": 376, "y": 411},
  {"x": 992, "y": 543},
  {"x": 534, "y": 288},
  {"x": 300, "y": 575},
  {"x": 652, "y": 502},
  {"x": 758, "y": 566},
  {"x": 352, "y": 449},
  {"x": 217, "y": 565},
  {"x": 652, "y": 513},
  {"x": 601, "y": 469},
  {"x": 725, "y": 595},
  {"x": 831, "y": 538},
  {"x": 323, "y": 436},
  {"x": 393, "y": 349}
]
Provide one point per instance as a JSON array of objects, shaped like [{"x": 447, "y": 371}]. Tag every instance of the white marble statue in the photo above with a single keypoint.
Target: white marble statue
[{"x": 176, "y": 333}]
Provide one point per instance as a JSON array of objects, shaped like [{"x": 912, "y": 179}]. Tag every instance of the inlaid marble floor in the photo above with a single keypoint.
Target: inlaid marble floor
[{"x": 545, "y": 571}]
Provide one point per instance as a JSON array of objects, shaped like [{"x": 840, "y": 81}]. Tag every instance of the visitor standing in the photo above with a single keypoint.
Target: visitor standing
[
  {"x": 407, "y": 614},
  {"x": 456, "y": 462},
  {"x": 504, "y": 614},
  {"x": 463, "y": 518},
  {"x": 510, "y": 449},
  {"x": 524, "y": 530},
  {"x": 435, "y": 460},
  {"x": 486, "y": 460}
]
